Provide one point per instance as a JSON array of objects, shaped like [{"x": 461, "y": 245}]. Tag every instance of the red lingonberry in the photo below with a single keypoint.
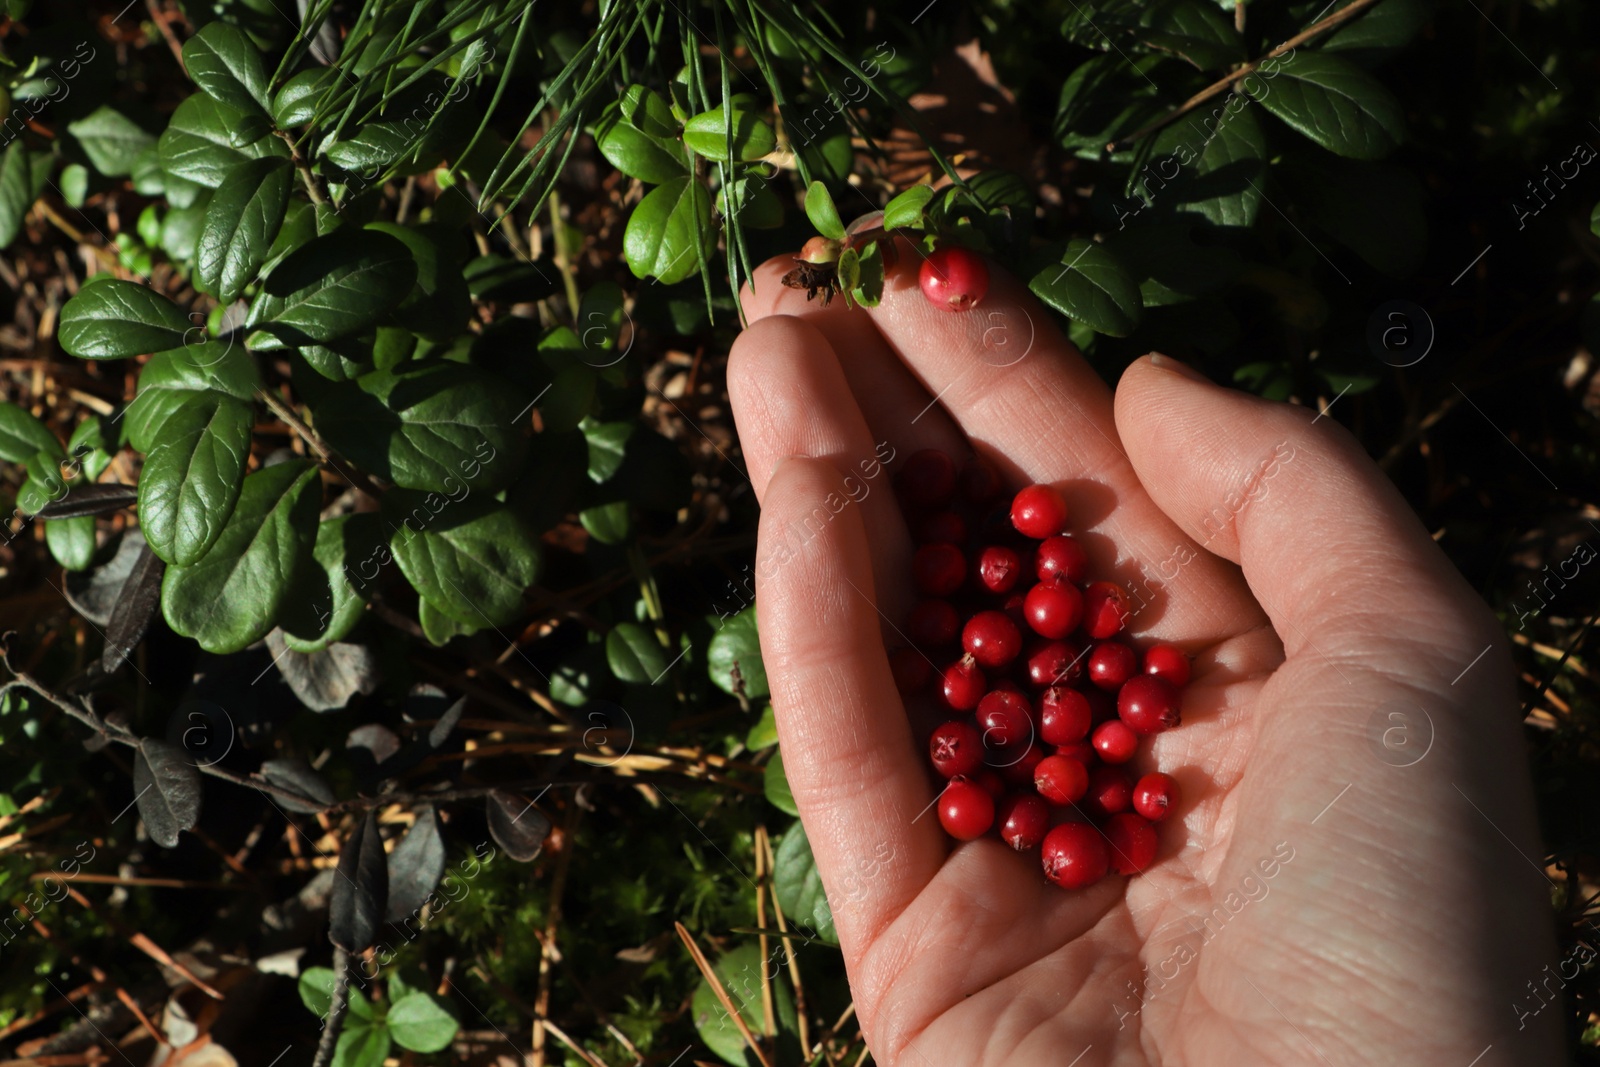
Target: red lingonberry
[
  {"x": 933, "y": 623},
  {"x": 1061, "y": 780},
  {"x": 1023, "y": 820},
  {"x": 992, "y": 639},
  {"x": 1167, "y": 662},
  {"x": 1109, "y": 791},
  {"x": 941, "y": 526},
  {"x": 1082, "y": 751},
  {"x": 966, "y": 810},
  {"x": 1053, "y": 609},
  {"x": 938, "y": 569},
  {"x": 928, "y": 480},
  {"x": 989, "y": 780},
  {"x": 1017, "y": 769},
  {"x": 1061, "y": 556},
  {"x": 1054, "y": 663},
  {"x": 1148, "y": 704},
  {"x": 1112, "y": 663},
  {"x": 953, "y": 278},
  {"x": 963, "y": 684},
  {"x": 1105, "y": 609},
  {"x": 1114, "y": 741},
  {"x": 1156, "y": 795},
  {"x": 1005, "y": 718},
  {"x": 1074, "y": 855},
  {"x": 1131, "y": 843},
  {"x": 999, "y": 568},
  {"x": 1064, "y": 716},
  {"x": 1038, "y": 512},
  {"x": 911, "y": 670},
  {"x": 979, "y": 483},
  {"x": 956, "y": 748}
]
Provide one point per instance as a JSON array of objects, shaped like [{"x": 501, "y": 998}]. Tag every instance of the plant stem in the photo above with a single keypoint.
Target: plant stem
[
  {"x": 287, "y": 414},
  {"x": 1343, "y": 14},
  {"x": 313, "y": 185},
  {"x": 336, "y": 1009},
  {"x": 568, "y": 277}
]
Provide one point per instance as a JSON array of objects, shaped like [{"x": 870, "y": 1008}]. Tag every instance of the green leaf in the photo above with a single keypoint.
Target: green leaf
[
  {"x": 361, "y": 1045},
  {"x": 764, "y": 734},
  {"x": 737, "y": 644},
  {"x": 439, "y": 628},
  {"x": 1092, "y": 287},
  {"x": 446, "y": 426},
  {"x": 16, "y": 191},
  {"x": 231, "y": 598},
  {"x": 199, "y": 142},
  {"x": 1219, "y": 172},
  {"x": 419, "y": 1023},
  {"x": 114, "y": 319},
  {"x": 240, "y": 225},
  {"x": 439, "y": 305},
  {"x": 349, "y": 549},
  {"x": 905, "y": 210},
  {"x": 316, "y": 990},
  {"x": 1193, "y": 29},
  {"x": 330, "y": 287},
  {"x": 608, "y": 443},
  {"x": 372, "y": 147},
  {"x": 111, "y": 140},
  {"x": 849, "y": 270},
  {"x": 471, "y": 558},
  {"x": 1170, "y": 266},
  {"x": 296, "y": 102},
  {"x": 707, "y": 134},
  {"x": 670, "y": 232},
  {"x": 635, "y": 655},
  {"x": 823, "y": 215},
  {"x": 44, "y": 485},
  {"x": 753, "y": 203},
  {"x": 777, "y": 786},
  {"x": 1332, "y": 102},
  {"x": 180, "y": 228},
  {"x": 799, "y": 887},
  {"x": 226, "y": 66},
  {"x": 1379, "y": 32},
  {"x": 740, "y": 974},
  {"x": 192, "y": 476},
  {"x": 638, "y": 154},
  {"x": 71, "y": 541},
  {"x": 610, "y": 524},
  {"x": 22, "y": 436}
]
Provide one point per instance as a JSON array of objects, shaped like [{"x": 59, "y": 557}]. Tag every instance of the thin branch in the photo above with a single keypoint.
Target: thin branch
[
  {"x": 287, "y": 414},
  {"x": 336, "y": 1008},
  {"x": 312, "y": 183},
  {"x": 715, "y": 982},
  {"x": 1245, "y": 71},
  {"x": 159, "y": 17}
]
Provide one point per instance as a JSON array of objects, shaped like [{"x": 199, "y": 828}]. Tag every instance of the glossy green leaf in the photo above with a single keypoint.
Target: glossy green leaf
[
  {"x": 1220, "y": 161},
  {"x": 231, "y": 598},
  {"x": 608, "y": 443},
  {"x": 1092, "y": 287},
  {"x": 419, "y": 1023},
  {"x": 71, "y": 541},
  {"x": 16, "y": 191},
  {"x": 111, "y": 140},
  {"x": 22, "y": 436},
  {"x": 776, "y": 785},
  {"x": 823, "y": 215},
  {"x": 905, "y": 210},
  {"x": 648, "y": 111},
  {"x": 361, "y": 1044},
  {"x": 707, "y": 134},
  {"x": 114, "y": 319},
  {"x": 1193, "y": 29},
  {"x": 439, "y": 304},
  {"x": 44, "y": 484},
  {"x": 471, "y": 558},
  {"x": 180, "y": 228},
  {"x": 296, "y": 102},
  {"x": 439, "y": 628},
  {"x": 737, "y": 646},
  {"x": 373, "y": 147},
  {"x": 868, "y": 288},
  {"x": 226, "y": 66},
  {"x": 798, "y": 886},
  {"x": 199, "y": 143},
  {"x": 1170, "y": 267},
  {"x": 192, "y": 476},
  {"x": 764, "y": 734},
  {"x": 349, "y": 554},
  {"x": 753, "y": 203},
  {"x": 240, "y": 224},
  {"x": 636, "y": 153},
  {"x": 740, "y": 972},
  {"x": 446, "y": 426},
  {"x": 610, "y": 524},
  {"x": 670, "y": 232},
  {"x": 335, "y": 285},
  {"x": 1332, "y": 102},
  {"x": 634, "y": 654},
  {"x": 1378, "y": 32}
]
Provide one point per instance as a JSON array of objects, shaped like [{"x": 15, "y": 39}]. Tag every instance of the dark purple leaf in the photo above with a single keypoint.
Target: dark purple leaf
[
  {"x": 135, "y": 607},
  {"x": 415, "y": 865},
  {"x": 167, "y": 789},
  {"x": 360, "y": 889},
  {"x": 296, "y": 775},
  {"x": 100, "y": 498},
  {"x": 516, "y": 825}
]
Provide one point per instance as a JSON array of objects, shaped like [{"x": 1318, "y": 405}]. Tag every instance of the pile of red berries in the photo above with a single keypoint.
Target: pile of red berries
[{"x": 1047, "y": 702}]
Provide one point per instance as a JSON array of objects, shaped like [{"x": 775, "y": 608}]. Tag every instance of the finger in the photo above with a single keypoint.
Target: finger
[
  {"x": 892, "y": 400},
  {"x": 847, "y": 748},
  {"x": 790, "y": 398},
  {"x": 1024, "y": 396}
]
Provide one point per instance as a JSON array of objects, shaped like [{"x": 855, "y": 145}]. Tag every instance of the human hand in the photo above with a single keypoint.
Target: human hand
[{"x": 1325, "y": 895}]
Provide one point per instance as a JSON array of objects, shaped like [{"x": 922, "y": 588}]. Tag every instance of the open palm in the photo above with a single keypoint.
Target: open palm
[{"x": 1353, "y": 875}]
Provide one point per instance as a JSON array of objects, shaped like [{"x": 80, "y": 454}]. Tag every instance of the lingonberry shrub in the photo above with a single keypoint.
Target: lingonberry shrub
[{"x": 1051, "y": 696}]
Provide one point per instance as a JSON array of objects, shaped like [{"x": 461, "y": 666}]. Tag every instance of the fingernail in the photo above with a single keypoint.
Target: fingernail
[{"x": 1177, "y": 367}]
